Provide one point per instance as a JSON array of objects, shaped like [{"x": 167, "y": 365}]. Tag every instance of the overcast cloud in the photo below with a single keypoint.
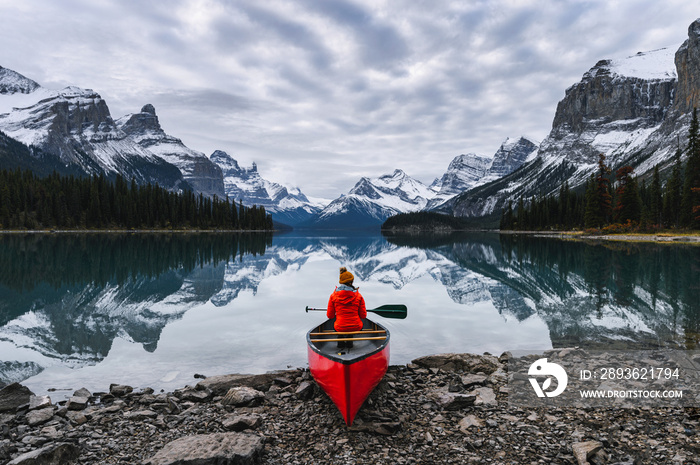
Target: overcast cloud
[{"x": 322, "y": 92}]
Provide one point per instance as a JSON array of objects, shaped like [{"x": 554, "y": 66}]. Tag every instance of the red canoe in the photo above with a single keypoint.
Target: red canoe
[{"x": 348, "y": 375}]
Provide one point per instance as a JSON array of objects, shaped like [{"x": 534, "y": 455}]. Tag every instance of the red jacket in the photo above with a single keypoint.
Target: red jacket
[{"x": 348, "y": 307}]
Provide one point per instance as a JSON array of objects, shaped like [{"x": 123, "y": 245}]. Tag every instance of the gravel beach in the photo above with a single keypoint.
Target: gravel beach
[{"x": 449, "y": 408}]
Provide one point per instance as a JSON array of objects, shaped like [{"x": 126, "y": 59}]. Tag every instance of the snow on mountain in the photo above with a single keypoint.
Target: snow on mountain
[
  {"x": 624, "y": 108},
  {"x": 464, "y": 172},
  {"x": 656, "y": 64},
  {"x": 74, "y": 129},
  {"x": 373, "y": 200},
  {"x": 288, "y": 206},
  {"x": 144, "y": 128},
  {"x": 468, "y": 171},
  {"x": 11, "y": 82}
]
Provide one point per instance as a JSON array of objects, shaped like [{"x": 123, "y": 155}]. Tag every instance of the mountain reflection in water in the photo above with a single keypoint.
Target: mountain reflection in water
[{"x": 153, "y": 309}]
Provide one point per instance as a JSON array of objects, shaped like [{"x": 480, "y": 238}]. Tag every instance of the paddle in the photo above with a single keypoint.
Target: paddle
[{"x": 398, "y": 311}]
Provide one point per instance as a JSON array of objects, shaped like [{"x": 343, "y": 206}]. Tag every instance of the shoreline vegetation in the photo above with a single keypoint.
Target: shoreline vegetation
[
  {"x": 445, "y": 408},
  {"x": 661, "y": 237},
  {"x": 56, "y": 202},
  {"x": 440, "y": 224},
  {"x": 137, "y": 231}
]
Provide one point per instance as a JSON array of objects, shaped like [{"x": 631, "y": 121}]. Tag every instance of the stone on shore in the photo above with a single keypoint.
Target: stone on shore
[
  {"x": 460, "y": 362},
  {"x": 415, "y": 415},
  {"x": 39, "y": 402},
  {"x": 211, "y": 449},
  {"x": 38, "y": 417},
  {"x": 120, "y": 390},
  {"x": 220, "y": 385},
  {"x": 243, "y": 396},
  {"x": 306, "y": 390},
  {"x": 241, "y": 422},
  {"x": 82, "y": 392},
  {"x": 53, "y": 454},
  {"x": 584, "y": 451},
  {"x": 13, "y": 396},
  {"x": 78, "y": 403},
  {"x": 452, "y": 401},
  {"x": 470, "y": 421}
]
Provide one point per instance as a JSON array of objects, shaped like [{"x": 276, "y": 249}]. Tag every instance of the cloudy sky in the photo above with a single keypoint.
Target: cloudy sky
[{"x": 322, "y": 92}]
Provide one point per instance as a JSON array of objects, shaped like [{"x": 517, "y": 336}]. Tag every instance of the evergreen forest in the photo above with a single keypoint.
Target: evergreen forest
[
  {"x": 28, "y": 201},
  {"x": 619, "y": 202}
]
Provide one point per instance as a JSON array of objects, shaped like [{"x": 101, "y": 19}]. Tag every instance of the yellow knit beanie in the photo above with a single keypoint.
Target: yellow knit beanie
[{"x": 345, "y": 276}]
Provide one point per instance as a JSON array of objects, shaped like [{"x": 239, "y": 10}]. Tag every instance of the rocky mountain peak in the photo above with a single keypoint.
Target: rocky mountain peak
[
  {"x": 148, "y": 108},
  {"x": 11, "y": 82},
  {"x": 687, "y": 61},
  {"x": 226, "y": 162},
  {"x": 511, "y": 155},
  {"x": 396, "y": 176},
  {"x": 142, "y": 123},
  {"x": 637, "y": 89}
]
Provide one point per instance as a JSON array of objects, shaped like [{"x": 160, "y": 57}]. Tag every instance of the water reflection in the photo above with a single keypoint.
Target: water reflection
[
  {"x": 68, "y": 297},
  {"x": 157, "y": 305},
  {"x": 594, "y": 294}
]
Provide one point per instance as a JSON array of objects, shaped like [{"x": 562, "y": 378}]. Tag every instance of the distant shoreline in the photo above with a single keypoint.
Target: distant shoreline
[
  {"x": 133, "y": 231},
  {"x": 691, "y": 237}
]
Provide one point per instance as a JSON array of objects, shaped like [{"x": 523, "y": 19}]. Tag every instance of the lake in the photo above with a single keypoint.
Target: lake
[{"x": 153, "y": 310}]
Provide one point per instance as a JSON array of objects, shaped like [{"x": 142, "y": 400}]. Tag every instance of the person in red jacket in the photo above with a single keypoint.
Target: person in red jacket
[{"x": 347, "y": 305}]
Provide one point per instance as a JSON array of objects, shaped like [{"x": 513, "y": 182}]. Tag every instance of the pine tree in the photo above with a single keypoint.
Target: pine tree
[
  {"x": 520, "y": 215},
  {"x": 628, "y": 203},
  {"x": 672, "y": 193},
  {"x": 691, "y": 196},
  {"x": 655, "y": 199}
]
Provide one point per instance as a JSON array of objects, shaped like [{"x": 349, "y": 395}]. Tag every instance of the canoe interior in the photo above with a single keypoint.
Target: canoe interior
[{"x": 360, "y": 349}]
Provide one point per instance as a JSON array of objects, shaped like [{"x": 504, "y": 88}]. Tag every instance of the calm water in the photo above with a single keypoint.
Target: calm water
[{"x": 148, "y": 310}]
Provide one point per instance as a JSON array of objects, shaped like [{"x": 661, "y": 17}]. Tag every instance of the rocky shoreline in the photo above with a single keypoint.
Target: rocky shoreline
[{"x": 450, "y": 408}]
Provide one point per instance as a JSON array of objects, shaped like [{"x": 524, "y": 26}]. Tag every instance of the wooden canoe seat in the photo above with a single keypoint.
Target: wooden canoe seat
[
  {"x": 348, "y": 333},
  {"x": 355, "y": 339}
]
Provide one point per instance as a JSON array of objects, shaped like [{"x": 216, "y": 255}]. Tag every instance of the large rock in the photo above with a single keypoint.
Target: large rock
[
  {"x": 39, "y": 402},
  {"x": 53, "y": 454},
  {"x": 220, "y": 385},
  {"x": 211, "y": 449},
  {"x": 241, "y": 422},
  {"x": 38, "y": 417},
  {"x": 243, "y": 396},
  {"x": 460, "y": 362},
  {"x": 13, "y": 396},
  {"x": 452, "y": 401},
  {"x": 583, "y": 451},
  {"x": 120, "y": 390}
]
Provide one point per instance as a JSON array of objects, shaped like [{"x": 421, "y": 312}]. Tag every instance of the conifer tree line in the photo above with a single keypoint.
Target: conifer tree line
[
  {"x": 69, "y": 202},
  {"x": 619, "y": 200}
]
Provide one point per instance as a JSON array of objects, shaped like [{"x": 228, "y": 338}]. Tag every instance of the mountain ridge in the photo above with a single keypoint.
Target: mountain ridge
[{"x": 634, "y": 110}]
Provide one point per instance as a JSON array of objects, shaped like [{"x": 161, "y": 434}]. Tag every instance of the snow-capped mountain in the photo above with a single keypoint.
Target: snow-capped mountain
[
  {"x": 511, "y": 155},
  {"x": 463, "y": 172},
  {"x": 144, "y": 128},
  {"x": 73, "y": 130},
  {"x": 468, "y": 171},
  {"x": 288, "y": 206},
  {"x": 373, "y": 200},
  {"x": 635, "y": 110}
]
